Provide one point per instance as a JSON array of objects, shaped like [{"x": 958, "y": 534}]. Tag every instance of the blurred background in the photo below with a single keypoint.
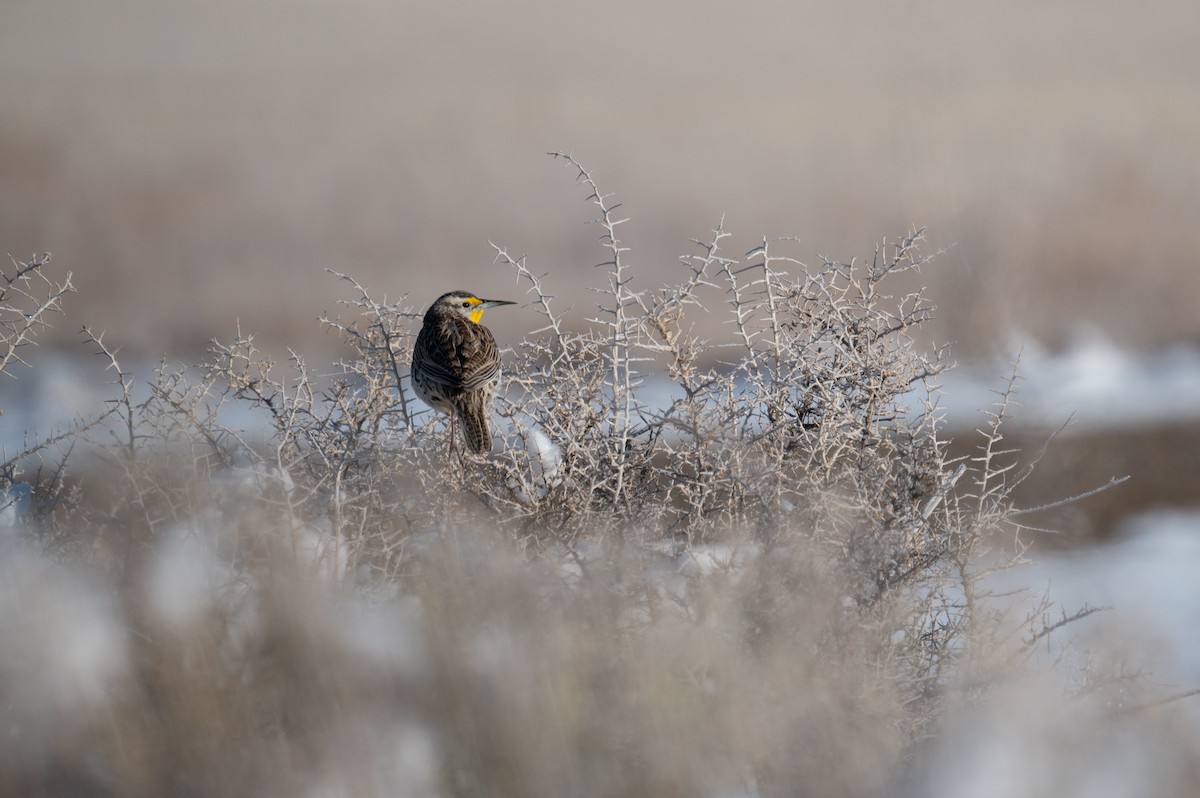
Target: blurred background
[{"x": 200, "y": 163}]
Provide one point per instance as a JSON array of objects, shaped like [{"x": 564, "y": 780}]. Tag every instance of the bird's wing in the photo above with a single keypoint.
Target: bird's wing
[
  {"x": 460, "y": 357},
  {"x": 479, "y": 358}
]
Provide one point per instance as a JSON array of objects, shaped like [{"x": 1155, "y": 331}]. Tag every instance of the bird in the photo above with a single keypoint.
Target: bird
[{"x": 456, "y": 364}]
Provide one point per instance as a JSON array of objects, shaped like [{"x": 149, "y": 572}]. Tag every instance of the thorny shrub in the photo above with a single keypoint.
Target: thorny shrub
[{"x": 799, "y": 463}]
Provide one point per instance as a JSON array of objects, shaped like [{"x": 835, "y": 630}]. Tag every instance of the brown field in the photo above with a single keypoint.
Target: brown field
[
  {"x": 1162, "y": 463},
  {"x": 199, "y": 163}
]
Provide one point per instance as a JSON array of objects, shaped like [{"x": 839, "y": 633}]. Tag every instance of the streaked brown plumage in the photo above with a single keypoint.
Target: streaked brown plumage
[{"x": 456, "y": 364}]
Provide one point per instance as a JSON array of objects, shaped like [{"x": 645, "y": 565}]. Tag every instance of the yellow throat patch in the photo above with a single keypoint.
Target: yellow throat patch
[{"x": 477, "y": 314}]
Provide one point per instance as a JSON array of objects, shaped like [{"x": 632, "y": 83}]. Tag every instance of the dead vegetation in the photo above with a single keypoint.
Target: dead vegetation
[{"x": 754, "y": 574}]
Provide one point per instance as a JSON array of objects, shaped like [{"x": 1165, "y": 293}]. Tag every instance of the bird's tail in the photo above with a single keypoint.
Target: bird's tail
[{"x": 472, "y": 412}]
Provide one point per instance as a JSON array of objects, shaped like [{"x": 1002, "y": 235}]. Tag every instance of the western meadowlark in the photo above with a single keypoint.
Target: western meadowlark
[{"x": 456, "y": 364}]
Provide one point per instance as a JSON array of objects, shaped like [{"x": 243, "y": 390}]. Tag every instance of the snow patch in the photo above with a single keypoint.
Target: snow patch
[{"x": 1102, "y": 384}]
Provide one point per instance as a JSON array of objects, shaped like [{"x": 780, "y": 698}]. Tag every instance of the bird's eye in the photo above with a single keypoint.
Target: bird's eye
[{"x": 466, "y": 304}]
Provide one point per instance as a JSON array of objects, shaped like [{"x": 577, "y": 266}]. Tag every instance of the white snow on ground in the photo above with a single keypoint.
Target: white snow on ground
[
  {"x": 1093, "y": 380},
  {"x": 1100, "y": 383},
  {"x": 1027, "y": 738},
  {"x": 47, "y": 399},
  {"x": 15, "y": 503},
  {"x": 1149, "y": 578},
  {"x": 64, "y": 649},
  {"x": 60, "y": 391}
]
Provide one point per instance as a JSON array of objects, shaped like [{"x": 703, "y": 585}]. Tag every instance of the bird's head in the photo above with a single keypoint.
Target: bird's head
[{"x": 466, "y": 304}]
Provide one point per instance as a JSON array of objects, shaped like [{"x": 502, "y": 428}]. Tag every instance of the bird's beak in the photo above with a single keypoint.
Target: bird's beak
[{"x": 494, "y": 303}]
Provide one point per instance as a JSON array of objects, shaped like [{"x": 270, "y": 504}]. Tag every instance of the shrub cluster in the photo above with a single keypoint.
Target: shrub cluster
[{"x": 687, "y": 567}]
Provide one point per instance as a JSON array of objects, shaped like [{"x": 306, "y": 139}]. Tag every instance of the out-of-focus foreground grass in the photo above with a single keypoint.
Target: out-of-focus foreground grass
[
  {"x": 490, "y": 675},
  {"x": 196, "y": 163}
]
